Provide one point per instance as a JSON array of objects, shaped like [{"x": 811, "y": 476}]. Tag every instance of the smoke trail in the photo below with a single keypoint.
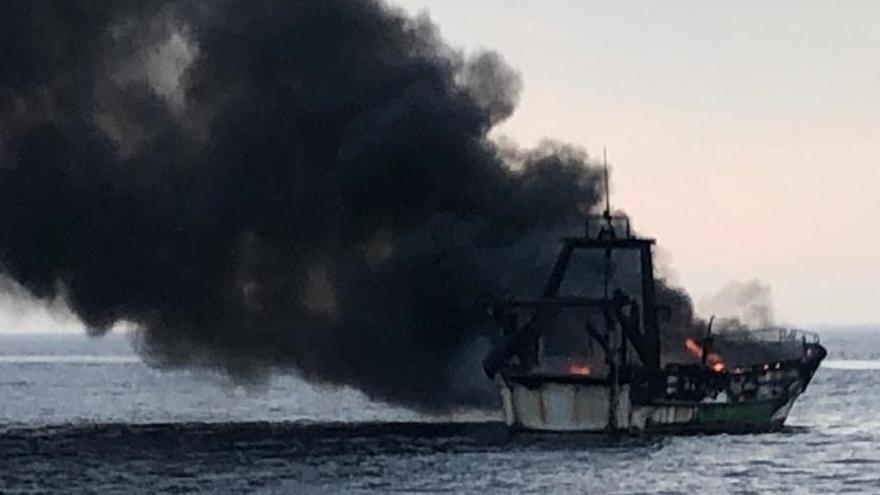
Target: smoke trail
[
  {"x": 748, "y": 303},
  {"x": 261, "y": 185}
]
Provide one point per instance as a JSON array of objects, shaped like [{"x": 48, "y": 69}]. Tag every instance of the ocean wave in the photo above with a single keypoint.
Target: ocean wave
[
  {"x": 852, "y": 364},
  {"x": 68, "y": 359}
]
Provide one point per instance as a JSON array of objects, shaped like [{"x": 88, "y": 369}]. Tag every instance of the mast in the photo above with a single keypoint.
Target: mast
[
  {"x": 607, "y": 186},
  {"x": 609, "y": 225}
]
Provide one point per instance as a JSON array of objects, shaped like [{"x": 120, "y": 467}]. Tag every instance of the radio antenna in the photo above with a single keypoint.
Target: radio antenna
[
  {"x": 607, "y": 187},
  {"x": 609, "y": 226}
]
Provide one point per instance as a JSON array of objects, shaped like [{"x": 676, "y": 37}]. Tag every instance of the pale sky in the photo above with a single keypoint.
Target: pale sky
[{"x": 743, "y": 135}]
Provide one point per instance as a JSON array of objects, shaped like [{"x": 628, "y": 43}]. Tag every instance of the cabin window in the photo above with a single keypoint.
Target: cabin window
[{"x": 585, "y": 274}]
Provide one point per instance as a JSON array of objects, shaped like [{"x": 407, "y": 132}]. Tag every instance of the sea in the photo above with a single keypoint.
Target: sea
[{"x": 84, "y": 415}]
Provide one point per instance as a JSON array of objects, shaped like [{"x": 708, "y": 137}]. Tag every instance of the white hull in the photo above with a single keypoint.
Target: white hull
[
  {"x": 565, "y": 407},
  {"x": 600, "y": 408}
]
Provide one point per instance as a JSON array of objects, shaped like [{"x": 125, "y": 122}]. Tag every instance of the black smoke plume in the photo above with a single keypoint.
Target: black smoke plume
[{"x": 267, "y": 185}]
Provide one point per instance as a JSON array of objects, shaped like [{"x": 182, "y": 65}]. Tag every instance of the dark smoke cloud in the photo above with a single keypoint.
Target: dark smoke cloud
[{"x": 274, "y": 184}]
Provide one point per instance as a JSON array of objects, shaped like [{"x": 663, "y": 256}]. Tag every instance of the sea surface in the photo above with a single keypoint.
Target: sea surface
[{"x": 87, "y": 416}]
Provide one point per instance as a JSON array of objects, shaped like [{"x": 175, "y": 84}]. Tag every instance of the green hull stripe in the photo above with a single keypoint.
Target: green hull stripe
[{"x": 742, "y": 413}]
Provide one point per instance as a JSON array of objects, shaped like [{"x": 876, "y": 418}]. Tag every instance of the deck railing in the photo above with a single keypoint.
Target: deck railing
[{"x": 772, "y": 334}]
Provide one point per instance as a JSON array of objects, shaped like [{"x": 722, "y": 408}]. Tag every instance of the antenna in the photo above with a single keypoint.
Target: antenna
[
  {"x": 607, "y": 187},
  {"x": 610, "y": 227}
]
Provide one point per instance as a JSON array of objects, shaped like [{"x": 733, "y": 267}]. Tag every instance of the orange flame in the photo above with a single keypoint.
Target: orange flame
[
  {"x": 713, "y": 359},
  {"x": 694, "y": 347},
  {"x": 579, "y": 369}
]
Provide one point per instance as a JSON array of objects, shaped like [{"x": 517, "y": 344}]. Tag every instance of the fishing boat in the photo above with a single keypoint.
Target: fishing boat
[{"x": 588, "y": 354}]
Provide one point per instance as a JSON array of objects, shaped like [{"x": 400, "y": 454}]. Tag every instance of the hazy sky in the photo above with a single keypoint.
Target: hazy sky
[{"x": 743, "y": 135}]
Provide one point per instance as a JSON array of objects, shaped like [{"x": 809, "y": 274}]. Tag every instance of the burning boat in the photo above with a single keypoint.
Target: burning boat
[{"x": 587, "y": 356}]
